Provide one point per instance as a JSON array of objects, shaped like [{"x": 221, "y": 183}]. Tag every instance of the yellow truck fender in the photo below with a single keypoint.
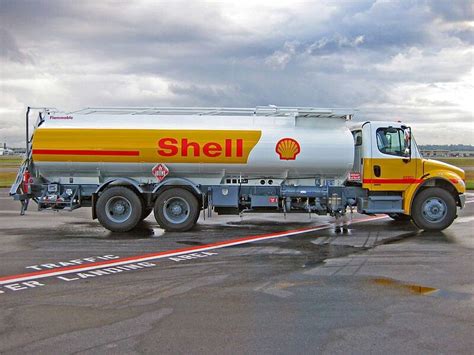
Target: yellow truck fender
[{"x": 440, "y": 178}]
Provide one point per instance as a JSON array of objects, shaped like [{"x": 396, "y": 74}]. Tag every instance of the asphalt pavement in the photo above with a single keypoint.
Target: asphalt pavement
[{"x": 256, "y": 284}]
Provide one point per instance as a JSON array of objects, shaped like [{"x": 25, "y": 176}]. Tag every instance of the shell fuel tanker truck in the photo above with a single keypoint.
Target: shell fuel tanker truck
[{"x": 125, "y": 163}]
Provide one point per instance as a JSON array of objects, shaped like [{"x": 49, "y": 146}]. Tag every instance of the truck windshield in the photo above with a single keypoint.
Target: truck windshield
[{"x": 393, "y": 141}]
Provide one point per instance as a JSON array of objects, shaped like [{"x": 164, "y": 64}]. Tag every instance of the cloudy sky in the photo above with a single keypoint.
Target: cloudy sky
[{"x": 409, "y": 60}]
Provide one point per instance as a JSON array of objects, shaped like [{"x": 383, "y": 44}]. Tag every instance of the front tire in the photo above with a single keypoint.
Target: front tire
[
  {"x": 119, "y": 209},
  {"x": 434, "y": 209},
  {"x": 176, "y": 210}
]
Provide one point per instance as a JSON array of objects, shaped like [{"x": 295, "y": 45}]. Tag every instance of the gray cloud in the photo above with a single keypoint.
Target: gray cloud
[
  {"x": 407, "y": 59},
  {"x": 9, "y": 48},
  {"x": 459, "y": 10}
]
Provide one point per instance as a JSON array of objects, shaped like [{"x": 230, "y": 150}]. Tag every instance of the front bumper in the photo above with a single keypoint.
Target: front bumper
[{"x": 462, "y": 200}]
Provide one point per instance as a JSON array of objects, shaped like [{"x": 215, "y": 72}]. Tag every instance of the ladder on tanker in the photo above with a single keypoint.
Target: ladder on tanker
[{"x": 272, "y": 111}]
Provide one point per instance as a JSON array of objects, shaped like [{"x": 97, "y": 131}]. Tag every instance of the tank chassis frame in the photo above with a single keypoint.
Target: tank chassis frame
[{"x": 223, "y": 199}]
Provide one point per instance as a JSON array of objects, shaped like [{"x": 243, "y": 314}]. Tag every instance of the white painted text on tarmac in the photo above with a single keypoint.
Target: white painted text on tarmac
[
  {"x": 106, "y": 271},
  {"x": 21, "y": 286},
  {"x": 72, "y": 262},
  {"x": 203, "y": 254}
]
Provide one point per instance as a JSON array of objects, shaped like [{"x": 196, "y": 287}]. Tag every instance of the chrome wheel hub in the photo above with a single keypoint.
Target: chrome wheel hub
[
  {"x": 176, "y": 210},
  {"x": 434, "y": 209},
  {"x": 118, "y": 209}
]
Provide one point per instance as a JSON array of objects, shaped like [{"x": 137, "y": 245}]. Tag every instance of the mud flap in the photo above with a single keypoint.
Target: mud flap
[{"x": 94, "y": 202}]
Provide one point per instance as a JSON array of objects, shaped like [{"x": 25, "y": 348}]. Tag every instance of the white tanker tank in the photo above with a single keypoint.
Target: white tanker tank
[
  {"x": 127, "y": 162},
  {"x": 206, "y": 146}
]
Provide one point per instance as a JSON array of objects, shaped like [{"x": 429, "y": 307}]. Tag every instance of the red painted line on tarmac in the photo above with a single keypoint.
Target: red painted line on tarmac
[{"x": 165, "y": 254}]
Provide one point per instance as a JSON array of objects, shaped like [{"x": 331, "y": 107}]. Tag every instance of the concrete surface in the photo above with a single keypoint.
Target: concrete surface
[{"x": 384, "y": 287}]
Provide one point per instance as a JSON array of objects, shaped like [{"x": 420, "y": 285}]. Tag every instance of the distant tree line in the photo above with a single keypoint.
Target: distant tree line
[{"x": 450, "y": 147}]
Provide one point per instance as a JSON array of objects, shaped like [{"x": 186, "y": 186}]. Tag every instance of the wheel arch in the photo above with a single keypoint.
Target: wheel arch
[
  {"x": 437, "y": 181},
  {"x": 178, "y": 182},
  {"x": 120, "y": 182}
]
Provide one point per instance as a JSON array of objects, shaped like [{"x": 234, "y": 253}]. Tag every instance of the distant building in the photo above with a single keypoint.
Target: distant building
[
  {"x": 6, "y": 151},
  {"x": 462, "y": 153},
  {"x": 432, "y": 153},
  {"x": 19, "y": 151},
  {"x": 443, "y": 153}
]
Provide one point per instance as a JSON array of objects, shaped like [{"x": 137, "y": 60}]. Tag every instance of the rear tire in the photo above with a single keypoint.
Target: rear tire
[
  {"x": 434, "y": 209},
  {"x": 176, "y": 210},
  {"x": 119, "y": 209}
]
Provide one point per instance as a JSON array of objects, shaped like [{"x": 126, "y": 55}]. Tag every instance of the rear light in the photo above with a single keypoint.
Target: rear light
[{"x": 26, "y": 182}]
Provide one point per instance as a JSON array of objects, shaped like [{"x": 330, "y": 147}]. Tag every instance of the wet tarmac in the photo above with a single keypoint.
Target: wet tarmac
[{"x": 67, "y": 285}]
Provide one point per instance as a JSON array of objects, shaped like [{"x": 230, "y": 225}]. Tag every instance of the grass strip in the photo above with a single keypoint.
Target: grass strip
[
  {"x": 7, "y": 179},
  {"x": 460, "y": 162}
]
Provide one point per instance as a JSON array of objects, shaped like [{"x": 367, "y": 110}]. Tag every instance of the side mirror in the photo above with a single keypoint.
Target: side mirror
[{"x": 407, "y": 139}]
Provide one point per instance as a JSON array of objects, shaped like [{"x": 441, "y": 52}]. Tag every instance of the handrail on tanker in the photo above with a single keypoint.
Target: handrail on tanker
[{"x": 273, "y": 111}]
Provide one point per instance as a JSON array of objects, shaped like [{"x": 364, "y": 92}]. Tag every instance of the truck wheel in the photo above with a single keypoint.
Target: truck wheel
[
  {"x": 399, "y": 217},
  {"x": 434, "y": 209},
  {"x": 176, "y": 210},
  {"x": 119, "y": 209}
]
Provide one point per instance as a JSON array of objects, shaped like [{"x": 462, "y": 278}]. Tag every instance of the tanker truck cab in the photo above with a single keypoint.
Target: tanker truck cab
[
  {"x": 399, "y": 182},
  {"x": 126, "y": 163}
]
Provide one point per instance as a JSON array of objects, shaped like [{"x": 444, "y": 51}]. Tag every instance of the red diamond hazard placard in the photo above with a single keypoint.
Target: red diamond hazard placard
[{"x": 160, "y": 171}]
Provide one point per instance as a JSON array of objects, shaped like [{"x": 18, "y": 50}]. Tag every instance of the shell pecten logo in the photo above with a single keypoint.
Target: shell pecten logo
[{"x": 287, "y": 148}]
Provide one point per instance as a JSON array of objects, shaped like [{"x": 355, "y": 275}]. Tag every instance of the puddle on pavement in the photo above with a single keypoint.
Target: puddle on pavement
[
  {"x": 269, "y": 223},
  {"x": 396, "y": 284},
  {"x": 268, "y": 226},
  {"x": 328, "y": 251},
  {"x": 88, "y": 230},
  {"x": 422, "y": 290},
  {"x": 189, "y": 242},
  {"x": 295, "y": 251},
  {"x": 430, "y": 237},
  {"x": 302, "y": 250}
]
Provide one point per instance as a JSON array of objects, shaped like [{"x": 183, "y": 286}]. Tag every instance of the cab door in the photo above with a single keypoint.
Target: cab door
[{"x": 391, "y": 167}]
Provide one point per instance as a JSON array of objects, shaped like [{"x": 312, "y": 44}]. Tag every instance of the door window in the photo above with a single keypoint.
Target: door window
[{"x": 393, "y": 141}]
